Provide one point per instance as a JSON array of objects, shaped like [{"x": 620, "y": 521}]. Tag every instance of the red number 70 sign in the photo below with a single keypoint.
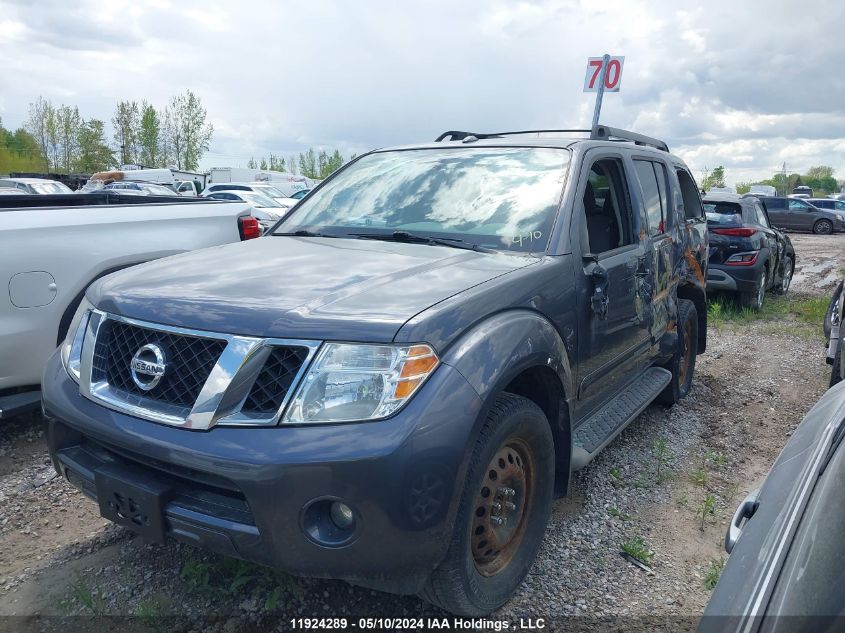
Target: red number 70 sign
[{"x": 612, "y": 77}]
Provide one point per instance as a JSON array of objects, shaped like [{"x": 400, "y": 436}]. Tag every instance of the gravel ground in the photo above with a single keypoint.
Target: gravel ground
[{"x": 752, "y": 387}]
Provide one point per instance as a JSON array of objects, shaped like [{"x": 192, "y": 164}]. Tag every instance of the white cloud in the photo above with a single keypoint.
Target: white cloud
[{"x": 744, "y": 85}]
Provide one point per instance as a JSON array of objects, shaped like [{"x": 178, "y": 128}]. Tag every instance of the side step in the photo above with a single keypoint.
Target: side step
[
  {"x": 598, "y": 430},
  {"x": 18, "y": 403}
]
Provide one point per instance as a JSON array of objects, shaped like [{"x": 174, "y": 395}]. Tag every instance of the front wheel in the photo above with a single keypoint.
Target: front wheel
[
  {"x": 682, "y": 364},
  {"x": 823, "y": 227},
  {"x": 505, "y": 506}
]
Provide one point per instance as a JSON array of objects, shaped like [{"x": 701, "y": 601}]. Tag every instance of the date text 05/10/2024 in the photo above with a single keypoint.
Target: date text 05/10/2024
[{"x": 439, "y": 624}]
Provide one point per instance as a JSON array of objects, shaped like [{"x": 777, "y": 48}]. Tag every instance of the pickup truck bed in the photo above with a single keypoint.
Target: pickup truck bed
[{"x": 53, "y": 246}]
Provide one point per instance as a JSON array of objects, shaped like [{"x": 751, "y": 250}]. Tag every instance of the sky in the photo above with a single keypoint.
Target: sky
[{"x": 747, "y": 85}]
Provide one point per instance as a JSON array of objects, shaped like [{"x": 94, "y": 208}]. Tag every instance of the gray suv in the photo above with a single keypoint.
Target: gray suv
[{"x": 392, "y": 385}]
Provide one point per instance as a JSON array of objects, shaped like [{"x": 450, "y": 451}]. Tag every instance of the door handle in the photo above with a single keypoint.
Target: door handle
[
  {"x": 745, "y": 510},
  {"x": 599, "y": 300}
]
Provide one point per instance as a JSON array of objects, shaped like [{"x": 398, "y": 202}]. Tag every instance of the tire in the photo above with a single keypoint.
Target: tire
[
  {"x": 682, "y": 364},
  {"x": 786, "y": 277},
  {"x": 831, "y": 308},
  {"x": 836, "y": 372},
  {"x": 473, "y": 579},
  {"x": 823, "y": 227},
  {"x": 754, "y": 300}
]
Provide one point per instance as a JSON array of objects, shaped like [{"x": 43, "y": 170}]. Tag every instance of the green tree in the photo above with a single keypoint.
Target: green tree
[
  {"x": 743, "y": 187},
  {"x": 127, "y": 130},
  {"x": 19, "y": 151},
  {"x": 251, "y": 164},
  {"x": 149, "y": 137},
  {"x": 308, "y": 163},
  {"x": 715, "y": 178},
  {"x": 94, "y": 152},
  {"x": 68, "y": 123},
  {"x": 277, "y": 163},
  {"x": 40, "y": 111},
  {"x": 187, "y": 132},
  {"x": 292, "y": 165}
]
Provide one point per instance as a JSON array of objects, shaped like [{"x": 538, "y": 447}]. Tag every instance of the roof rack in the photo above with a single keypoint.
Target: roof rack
[{"x": 598, "y": 133}]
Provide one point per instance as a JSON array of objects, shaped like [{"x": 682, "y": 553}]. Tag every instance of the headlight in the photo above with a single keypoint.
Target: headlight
[
  {"x": 350, "y": 382},
  {"x": 72, "y": 345}
]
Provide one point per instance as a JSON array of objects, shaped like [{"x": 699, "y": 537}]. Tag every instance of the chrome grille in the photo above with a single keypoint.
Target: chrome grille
[
  {"x": 209, "y": 378},
  {"x": 190, "y": 360},
  {"x": 275, "y": 379}
]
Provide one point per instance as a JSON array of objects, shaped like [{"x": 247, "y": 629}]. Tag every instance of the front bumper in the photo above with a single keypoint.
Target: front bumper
[
  {"x": 734, "y": 278},
  {"x": 243, "y": 491}
]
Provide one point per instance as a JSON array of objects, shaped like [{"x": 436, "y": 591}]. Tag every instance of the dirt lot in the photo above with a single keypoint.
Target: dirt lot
[{"x": 664, "y": 489}]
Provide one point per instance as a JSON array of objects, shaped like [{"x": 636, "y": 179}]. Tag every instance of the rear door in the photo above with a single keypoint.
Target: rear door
[
  {"x": 801, "y": 215},
  {"x": 613, "y": 325}
]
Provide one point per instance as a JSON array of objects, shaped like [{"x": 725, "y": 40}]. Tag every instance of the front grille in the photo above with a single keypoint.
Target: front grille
[
  {"x": 189, "y": 361},
  {"x": 274, "y": 380}
]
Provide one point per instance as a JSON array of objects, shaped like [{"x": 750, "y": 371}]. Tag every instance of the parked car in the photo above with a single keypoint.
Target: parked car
[
  {"x": 835, "y": 335},
  {"x": 390, "y": 386},
  {"x": 258, "y": 187},
  {"x": 52, "y": 247},
  {"x": 800, "y": 215},
  {"x": 35, "y": 185},
  {"x": 762, "y": 190},
  {"x": 299, "y": 195},
  {"x": 267, "y": 210},
  {"x": 140, "y": 188},
  {"x": 747, "y": 255},
  {"x": 785, "y": 539},
  {"x": 830, "y": 204},
  {"x": 803, "y": 190}
]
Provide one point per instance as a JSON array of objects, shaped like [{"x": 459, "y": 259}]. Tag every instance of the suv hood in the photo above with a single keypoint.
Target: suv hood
[{"x": 298, "y": 287}]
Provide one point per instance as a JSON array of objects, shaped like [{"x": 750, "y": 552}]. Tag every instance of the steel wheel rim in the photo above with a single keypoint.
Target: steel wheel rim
[
  {"x": 824, "y": 227},
  {"x": 787, "y": 277},
  {"x": 501, "y": 507},
  {"x": 761, "y": 291}
]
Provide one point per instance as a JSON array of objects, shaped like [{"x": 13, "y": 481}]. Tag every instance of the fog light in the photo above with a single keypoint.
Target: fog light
[{"x": 342, "y": 515}]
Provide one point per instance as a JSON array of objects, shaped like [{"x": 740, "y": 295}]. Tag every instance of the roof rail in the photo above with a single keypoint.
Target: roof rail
[
  {"x": 458, "y": 135},
  {"x": 605, "y": 133},
  {"x": 598, "y": 133}
]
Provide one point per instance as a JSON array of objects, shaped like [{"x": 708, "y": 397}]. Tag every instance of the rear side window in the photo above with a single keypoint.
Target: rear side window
[
  {"x": 775, "y": 203},
  {"x": 689, "y": 194},
  {"x": 652, "y": 177}
]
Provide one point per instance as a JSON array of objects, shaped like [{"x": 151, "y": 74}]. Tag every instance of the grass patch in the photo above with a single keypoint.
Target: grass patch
[
  {"x": 220, "y": 576},
  {"x": 83, "y": 594},
  {"x": 714, "y": 571},
  {"x": 806, "y": 311},
  {"x": 616, "y": 513},
  {"x": 637, "y": 548}
]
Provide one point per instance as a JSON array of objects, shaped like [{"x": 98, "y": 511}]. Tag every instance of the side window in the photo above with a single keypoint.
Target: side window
[
  {"x": 689, "y": 193},
  {"x": 762, "y": 220},
  {"x": 651, "y": 196},
  {"x": 797, "y": 205},
  {"x": 607, "y": 207}
]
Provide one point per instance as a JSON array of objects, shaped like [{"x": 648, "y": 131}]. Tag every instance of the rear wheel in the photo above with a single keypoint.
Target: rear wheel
[
  {"x": 786, "y": 276},
  {"x": 505, "y": 506},
  {"x": 755, "y": 298},
  {"x": 823, "y": 227},
  {"x": 682, "y": 364}
]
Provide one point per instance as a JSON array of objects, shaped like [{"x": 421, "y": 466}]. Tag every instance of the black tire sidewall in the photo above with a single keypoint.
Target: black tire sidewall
[
  {"x": 687, "y": 318},
  {"x": 528, "y": 423},
  {"x": 821, "y": 223}
]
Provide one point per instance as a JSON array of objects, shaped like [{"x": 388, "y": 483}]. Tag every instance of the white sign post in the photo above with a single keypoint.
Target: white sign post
[{"x": 603, "y": 74}]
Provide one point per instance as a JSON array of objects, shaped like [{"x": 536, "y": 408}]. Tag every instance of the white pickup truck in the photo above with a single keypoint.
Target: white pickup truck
[{"x": 53, "y": 247}]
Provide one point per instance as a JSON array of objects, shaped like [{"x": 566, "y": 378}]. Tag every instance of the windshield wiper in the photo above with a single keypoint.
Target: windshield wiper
[
  {"x": 304, "y": 233},
  {"x": 405, "y": 236}
]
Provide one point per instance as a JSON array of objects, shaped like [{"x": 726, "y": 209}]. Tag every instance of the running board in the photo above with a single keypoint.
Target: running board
[
  {"x": 18, "y": 403},
  {"x": 598, "y": 430}
]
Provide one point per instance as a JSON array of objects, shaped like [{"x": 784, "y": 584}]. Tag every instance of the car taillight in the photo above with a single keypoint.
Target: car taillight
[
  {"x": 249, "y": 228},
  {"x": 735, "y": 232},
  {"x": 742, "y": 259}
]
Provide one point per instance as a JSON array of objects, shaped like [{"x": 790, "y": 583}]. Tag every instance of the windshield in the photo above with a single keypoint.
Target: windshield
[
  {"x": 267, "y": 190},
  {"x": 501, "y": 198},
  {"x": 258, "y": 199},
  {"x": 157, "y": 190},
  {"x": 50, "y": 187}
]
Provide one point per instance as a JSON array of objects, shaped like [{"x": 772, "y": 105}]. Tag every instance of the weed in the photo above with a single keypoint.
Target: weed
[
  {"x": 716, "y": 459},
  {"x": 85, "y": 595},
  {"x": 662, "y": 458},
  {"x": 714, "y": 572},
  {"x": 682, "y": 501},
  {"x": 708, "y": 508},
  {"x": 222, "y": 576},
  {"x": 614, "y": 472},
  {"x": 637, "y": 548},
  {"x": 699, "y": 477},
  {"x": 616, "y": 513},
  {"x": 151, "y": 611}
]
